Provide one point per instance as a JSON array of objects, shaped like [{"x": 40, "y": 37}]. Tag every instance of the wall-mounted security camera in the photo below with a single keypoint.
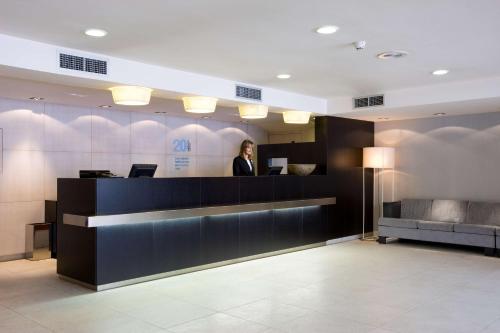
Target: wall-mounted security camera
[{"x": 359, "y": 45}]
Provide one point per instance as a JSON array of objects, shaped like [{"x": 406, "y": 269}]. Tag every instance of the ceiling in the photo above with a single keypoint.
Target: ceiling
[{"x": 253, "y": 41}]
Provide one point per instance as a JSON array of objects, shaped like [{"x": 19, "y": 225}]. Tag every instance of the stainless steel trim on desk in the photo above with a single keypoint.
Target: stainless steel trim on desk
[{"x": 163, "y": 215}]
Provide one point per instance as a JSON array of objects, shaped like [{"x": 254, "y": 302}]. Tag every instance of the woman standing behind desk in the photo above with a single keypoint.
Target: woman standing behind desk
[{"x": 242, "y": 164}]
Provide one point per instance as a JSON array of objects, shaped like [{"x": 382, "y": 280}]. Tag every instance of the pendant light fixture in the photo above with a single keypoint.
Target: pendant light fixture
[
  {"x": 253, "y": 111},
  {"x": 296, "y": 117},
  {"x": 199, "y": 104},
  {"x": 131, "y": 95}
]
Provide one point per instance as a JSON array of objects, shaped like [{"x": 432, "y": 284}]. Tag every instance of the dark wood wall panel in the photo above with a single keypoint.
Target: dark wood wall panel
[
  {"x": 343, "y": 140},
  {"x": 338, "y": 153}
]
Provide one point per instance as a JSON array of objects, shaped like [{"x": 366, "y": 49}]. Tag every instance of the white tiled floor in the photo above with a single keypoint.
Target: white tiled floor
[{"x": 349, "y": 287}]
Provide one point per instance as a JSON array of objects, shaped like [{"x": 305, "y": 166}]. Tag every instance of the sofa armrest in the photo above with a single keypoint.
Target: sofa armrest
[{"x": 392, "y": 209}]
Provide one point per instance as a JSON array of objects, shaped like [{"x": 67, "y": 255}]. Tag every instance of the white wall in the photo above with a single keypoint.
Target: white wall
[
  {"x": 455, "y": 157},
  {"x": 42, "y": 142}
]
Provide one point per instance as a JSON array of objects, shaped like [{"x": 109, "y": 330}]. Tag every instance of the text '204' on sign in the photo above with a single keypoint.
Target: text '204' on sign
[{"x": 182, "y": 145}]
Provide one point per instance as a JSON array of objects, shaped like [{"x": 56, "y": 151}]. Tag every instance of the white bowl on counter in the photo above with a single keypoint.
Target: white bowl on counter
[{"x": 301, "y": 169}]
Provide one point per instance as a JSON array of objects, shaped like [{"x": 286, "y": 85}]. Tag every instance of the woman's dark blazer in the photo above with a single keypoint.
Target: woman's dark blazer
[{"x": 241, "y": 168}]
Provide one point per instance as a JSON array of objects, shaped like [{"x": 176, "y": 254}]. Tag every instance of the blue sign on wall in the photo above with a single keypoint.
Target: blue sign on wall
[{"x": 181, "y": 163}]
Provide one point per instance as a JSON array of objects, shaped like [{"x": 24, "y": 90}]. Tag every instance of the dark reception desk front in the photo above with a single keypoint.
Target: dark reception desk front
[{"x": 114, "y": 232}]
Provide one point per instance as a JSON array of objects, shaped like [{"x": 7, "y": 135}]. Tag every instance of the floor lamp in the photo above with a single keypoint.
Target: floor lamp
[{"x": 377, "y": 158}]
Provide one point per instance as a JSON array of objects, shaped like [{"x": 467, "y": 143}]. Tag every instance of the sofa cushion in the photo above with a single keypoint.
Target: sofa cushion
[
  {"x": 431, "y": 225},
  {"x": 483, "y": 213},
  {"x": 449, "y": 211},
  {"x": 416, "y": 209},
  {"x": 474, "y": 229},
  {"x": 398, "y": 223}
]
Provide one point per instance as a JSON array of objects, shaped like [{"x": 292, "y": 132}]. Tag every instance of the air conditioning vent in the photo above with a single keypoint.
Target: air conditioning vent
[
  {"x": 96, "y": 66},
  {"x": 71, "y": 62},
  {"x": 361, "y": 102},
  {"x": 249, "y": 93},
  {"x": 377, "y": 100},
  {"x": 83, "y": 64},
  {"x": 368, "y": 101}
]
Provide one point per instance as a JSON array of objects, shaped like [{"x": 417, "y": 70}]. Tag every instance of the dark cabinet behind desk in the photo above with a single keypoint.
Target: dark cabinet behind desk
[{"x": 103, "y": 255}]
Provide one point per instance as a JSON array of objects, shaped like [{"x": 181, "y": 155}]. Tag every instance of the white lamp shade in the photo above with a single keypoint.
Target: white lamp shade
[
  {"x": 296, "y": 117},
  {"x": 199, "y": 104},
  {"x": 252, "y": 111},
  {"x": 378, "y": 157},
  {"x": 131, "y": 95}
]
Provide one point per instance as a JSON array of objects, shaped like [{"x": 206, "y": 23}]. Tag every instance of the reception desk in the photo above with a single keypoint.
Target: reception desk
[{"x": 113, "y": 232}]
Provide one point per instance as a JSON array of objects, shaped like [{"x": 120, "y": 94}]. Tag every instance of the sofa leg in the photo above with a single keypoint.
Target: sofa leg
[
  {"x": 488, "y": 251},
  {"x": 382, "y": 240}
]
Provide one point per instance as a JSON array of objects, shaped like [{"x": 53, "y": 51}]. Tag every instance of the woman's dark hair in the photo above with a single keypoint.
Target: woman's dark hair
[{"x": 245, "y": 144}]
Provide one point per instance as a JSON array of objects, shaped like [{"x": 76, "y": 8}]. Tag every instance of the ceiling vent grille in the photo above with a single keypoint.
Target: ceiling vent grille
[
  {"x": 368, "y": 101},
  {"x": 83, "y": 64},
  {"x": 96, "y": 66},
  {"x": 249, "y": 93},
  {"x": 71, "y": 62}
]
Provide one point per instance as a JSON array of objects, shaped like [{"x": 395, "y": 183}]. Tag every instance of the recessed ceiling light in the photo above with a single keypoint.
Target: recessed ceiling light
[
  {"x": 37, "y": 98},
  {"x": 440, "y": 72},
  {"x": 96, "y": 32},
  {"x": 392, "y": 54},
  {"x": 283, "y": 76},
  {"x": 105, "y": 106},
  {"x": 439, "y": 114},
  {"x": 77, "y": 95},
  {"x": 327, "y": 29}
]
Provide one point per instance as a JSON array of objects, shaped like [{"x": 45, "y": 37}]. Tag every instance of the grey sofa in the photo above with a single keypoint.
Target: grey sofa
[{"x": 444, "y": 221}]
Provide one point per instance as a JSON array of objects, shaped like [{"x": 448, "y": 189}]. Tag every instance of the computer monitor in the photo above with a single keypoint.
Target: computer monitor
[
  {"x": 95, "y": 174},
  {"x": 275, "y": 170},
  {"x": 142, "y": 170}
]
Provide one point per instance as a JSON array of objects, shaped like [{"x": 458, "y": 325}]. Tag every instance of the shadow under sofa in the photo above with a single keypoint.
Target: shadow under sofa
[{"x": 445, "y": 221}]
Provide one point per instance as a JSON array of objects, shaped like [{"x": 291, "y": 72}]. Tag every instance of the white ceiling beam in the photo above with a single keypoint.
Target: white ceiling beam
[
  {"x": 436, "y": 94},
  {"x": 43, "y": 58}
]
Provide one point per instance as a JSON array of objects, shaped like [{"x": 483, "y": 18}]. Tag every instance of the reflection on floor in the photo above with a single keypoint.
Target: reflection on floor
[{"x": 349, "y": 287}]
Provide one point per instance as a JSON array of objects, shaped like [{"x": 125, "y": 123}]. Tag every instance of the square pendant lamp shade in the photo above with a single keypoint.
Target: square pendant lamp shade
[
  {"x": 296, "y": 117},
  {"x": 199, "y": 104},
  {"x": 249, "y": 111},
  {"x": 378, "y": 157},
  {"x": 131, "y": 95}
]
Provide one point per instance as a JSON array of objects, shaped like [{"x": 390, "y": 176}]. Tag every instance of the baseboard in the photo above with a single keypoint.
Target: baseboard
[
  {"x": 11, "y": 257},
  {"x": 343, "y": 239}
]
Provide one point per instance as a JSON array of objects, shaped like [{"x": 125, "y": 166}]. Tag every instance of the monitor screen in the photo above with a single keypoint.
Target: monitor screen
[
  {"x": 142, "y": 170},
  {"x": 275, "y": 170}
]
